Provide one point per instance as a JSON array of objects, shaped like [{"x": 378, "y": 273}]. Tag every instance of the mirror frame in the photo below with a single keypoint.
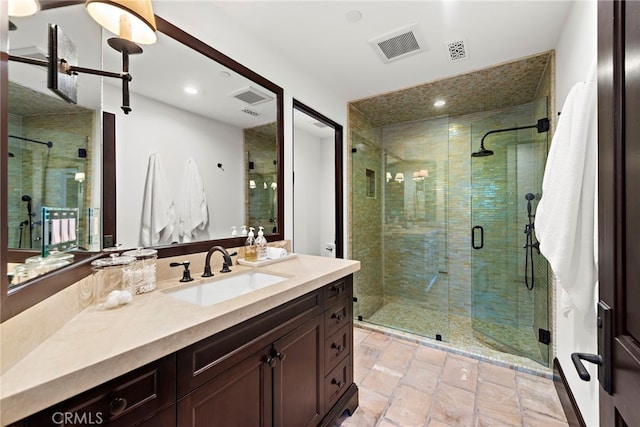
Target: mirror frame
[{"x": 26, "y": 295}]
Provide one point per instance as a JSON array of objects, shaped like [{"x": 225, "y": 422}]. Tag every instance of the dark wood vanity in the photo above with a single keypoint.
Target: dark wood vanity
[{"x": 290, "y": 366}]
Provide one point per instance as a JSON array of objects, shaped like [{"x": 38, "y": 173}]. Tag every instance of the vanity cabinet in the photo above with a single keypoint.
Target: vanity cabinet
[{"x": 291, "y": 366}]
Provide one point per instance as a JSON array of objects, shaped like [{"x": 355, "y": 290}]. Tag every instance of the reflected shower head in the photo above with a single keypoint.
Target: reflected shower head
[
  {"x": 482, "y": 153},
  {"x": 529, "y": 196}
]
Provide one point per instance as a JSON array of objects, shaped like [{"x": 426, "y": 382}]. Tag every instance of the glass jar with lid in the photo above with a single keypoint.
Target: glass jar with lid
[
  {"x": 144, "y": 271},
  {"x": 112, "y": 273}
]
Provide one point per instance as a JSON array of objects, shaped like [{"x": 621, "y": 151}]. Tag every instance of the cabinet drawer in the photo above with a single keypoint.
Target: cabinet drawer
[
  {"x": 124, "y": 401},
  {"x": 336, "y": 347},
  {"x": 334, "y": 291},
  {"x": 337, "y": 315},
  {"x": 337, "y": 382}
]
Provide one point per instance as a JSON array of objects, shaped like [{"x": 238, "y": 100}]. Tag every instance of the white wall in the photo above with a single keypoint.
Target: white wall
[
  {"x": 209, "y": 24},
  {"x": 175, "y": 138},
  {"x": 327, "y": 196},
  {"x": 575, "y": 53}
]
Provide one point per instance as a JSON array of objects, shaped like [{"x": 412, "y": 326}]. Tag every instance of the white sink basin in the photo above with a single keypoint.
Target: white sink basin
[{"x": 222, "y": 289}]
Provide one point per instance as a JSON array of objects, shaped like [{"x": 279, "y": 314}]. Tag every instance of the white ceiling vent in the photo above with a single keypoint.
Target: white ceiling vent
[
  {"x": 251, "y": 96},
  {"x": 399, "y": 44},
  {"x": 456, "y": 50},
  {"x": 320, "y": 125},
  {"x": 250, "y": 112}
]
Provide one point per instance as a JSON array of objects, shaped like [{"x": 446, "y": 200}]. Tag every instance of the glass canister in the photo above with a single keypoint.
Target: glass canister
[
  {"x": 144, "y": 271},
  {"x": 112, "y": 273}
]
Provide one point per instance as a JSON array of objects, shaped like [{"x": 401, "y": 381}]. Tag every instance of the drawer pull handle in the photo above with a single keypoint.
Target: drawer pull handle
[
  {"x": 117, "y": 405},
  {"x": 338, "y": 347},
  {"x": 337, "y": 316},
  {"x": 337, "y": 382}
]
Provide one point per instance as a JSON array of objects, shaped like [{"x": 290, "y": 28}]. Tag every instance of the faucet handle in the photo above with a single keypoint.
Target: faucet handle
[{"x": 186, "y": 274}]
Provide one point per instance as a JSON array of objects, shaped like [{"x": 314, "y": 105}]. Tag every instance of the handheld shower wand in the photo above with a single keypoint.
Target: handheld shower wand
[
  {"x": 529, "y": 245},
  {"x": 30, "y": 215}
]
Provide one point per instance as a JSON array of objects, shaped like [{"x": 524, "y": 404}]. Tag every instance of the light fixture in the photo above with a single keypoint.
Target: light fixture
[
  {"x": 79, "y": 177},
  {"x": 131, "y": 20},
  {"x": 23, "y": 7},
  {"x": 399, "y": 177},
  {"x": 252, "y": 184},
  {"x": 191, "y": 90},
  {"x": 439, "y": 103},
  {"x": 389, "y": 177},
  {"x": 420, "y": 175},
  {"x": 264, "y": 185},
  {"x": 274, "y": 185}
]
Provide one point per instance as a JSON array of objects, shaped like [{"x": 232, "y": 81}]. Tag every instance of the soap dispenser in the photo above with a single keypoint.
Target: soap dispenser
[
  {"x": 250, "y": 248},
  {"x": 243, "y": 232},
  {"x": 261, "y": 243},
  {"x": 234, "y": 231}
]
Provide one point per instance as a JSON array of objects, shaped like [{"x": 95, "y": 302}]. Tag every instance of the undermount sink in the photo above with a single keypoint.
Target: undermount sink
[{"x": 222, "y": 289}]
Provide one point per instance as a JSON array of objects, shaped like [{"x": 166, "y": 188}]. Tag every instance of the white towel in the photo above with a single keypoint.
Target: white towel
[
  {"x": 566, "y": 218},
  {"x": 158, "y": 210},
  {"x": 194, "y": 212}
]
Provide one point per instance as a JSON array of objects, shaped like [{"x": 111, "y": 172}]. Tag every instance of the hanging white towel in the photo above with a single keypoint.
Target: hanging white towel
[
  {"x": 566, "y": 218},
  {"x": 158, "y": 210},
  {"x": 194, "y": 212}
]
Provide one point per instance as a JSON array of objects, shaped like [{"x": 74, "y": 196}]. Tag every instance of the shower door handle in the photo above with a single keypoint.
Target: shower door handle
[{"x": 473, "y": 237}]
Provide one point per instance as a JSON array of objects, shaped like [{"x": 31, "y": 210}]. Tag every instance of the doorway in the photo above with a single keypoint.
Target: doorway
[{"x": 317, "y": 187}]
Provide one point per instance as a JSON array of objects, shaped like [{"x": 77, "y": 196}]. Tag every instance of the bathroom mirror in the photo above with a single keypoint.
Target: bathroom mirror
[{"x": 245, "y": 135}]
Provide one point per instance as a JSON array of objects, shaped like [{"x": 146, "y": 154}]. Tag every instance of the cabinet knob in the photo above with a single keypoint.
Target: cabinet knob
[
  {"x": 338, "y": 383},
  {"x": 271, "y": 361},
  {"x": 338, "y": 290},
  {"x": 281, "y": 356},
  {"x": 338, "y": 347},
  {"x": 337, "y": 316},
  {"x": 117, "y": 405}
]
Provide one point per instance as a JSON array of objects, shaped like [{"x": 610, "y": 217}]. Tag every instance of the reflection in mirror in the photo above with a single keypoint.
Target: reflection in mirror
[
  {"x": 198, "y": 135},
  {"x": 316, "y": 163},
  {"x": 54, "y": 160}
]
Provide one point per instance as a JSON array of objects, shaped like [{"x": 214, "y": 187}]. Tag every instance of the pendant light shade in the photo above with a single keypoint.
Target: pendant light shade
[
  {"x": 132, "y": 20},
  {"x": 23, "y": 7}
]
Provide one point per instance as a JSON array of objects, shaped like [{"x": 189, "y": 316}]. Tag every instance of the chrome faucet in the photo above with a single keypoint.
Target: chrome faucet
[{"x": 225, "y": 266}]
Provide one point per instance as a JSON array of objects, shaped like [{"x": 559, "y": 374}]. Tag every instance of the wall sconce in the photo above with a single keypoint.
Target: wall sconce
[
  {"x": 274, "y": 185},
  {"x": 252, "y": 184},
  {"x": 399, "y": 177},
  {"x": 264, "y": 185},
  {"x": 132, "y": 20},
  {"x": 79, "y": 177},
  {"x": 389, "y": 177},
  {"x": 420, "y": 175}
]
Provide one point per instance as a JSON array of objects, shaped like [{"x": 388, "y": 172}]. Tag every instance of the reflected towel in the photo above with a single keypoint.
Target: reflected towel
[
  {"x": 55, "y": 232},
  {"x": 158, "y": 210},
  {"x": 72, "y": 229},
  {"x": 64, "y": 230},
  {"x": 194, "y": 212},
  {"x": 566, "y": 218}
]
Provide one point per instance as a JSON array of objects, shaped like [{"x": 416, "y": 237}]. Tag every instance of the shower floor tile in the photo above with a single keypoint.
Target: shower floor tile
[
  {"x": 421, "y": 325},
  {"x": 435, "y": 387}
]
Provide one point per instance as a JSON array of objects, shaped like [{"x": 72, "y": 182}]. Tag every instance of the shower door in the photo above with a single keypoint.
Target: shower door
[{"x": 509, "y": 288}]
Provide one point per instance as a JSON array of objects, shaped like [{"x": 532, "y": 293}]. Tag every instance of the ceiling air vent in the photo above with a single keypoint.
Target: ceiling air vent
[
  {"x": 320, "y": 125},
  {"x": 250, "y": 112},
  {"x": 456, "y": 50},
  {"x": 251, "y": 96},
  {"x": 398, "y": 44}
]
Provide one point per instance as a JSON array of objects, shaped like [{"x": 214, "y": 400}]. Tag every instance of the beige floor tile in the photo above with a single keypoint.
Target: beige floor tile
[
  {"x": 397, "y": 355},
  {"x": 409, "y": 407},
  {"x": 496, "y": 395},
  {"x": 460, "y": 372},
  {"x": 484, "y": 420},
  {"x": 386, "y": 423},
  {"x": 379, "y": 341},
  {"x": 489, "y": 415},
  {"x": 536, "y": 419},
  {"x": 453, "y": 406},
  {"x": 382, "y": 380},
  {"x": 539, "y": 395},
  {"x": 431, "y": 355},
  {"x": 437, "y": 423},
  {"x": 497, "y": 374},
  {"x": 371, "y": 402},
  {"x": 422, "y": 376}
]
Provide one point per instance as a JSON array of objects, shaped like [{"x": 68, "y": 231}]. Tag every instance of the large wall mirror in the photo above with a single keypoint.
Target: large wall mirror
[{"x": 199, "y": 157}]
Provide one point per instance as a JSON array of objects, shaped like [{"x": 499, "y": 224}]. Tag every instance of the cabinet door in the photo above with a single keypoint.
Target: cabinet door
[
  {"x": 240, "y": 397},
  {"x": 298, "y": 376}
]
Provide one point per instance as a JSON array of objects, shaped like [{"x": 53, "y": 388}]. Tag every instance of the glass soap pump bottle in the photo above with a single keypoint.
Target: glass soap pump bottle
[
  {"x": 261, "y": 243},
  {"x": 250, "y": 248}
]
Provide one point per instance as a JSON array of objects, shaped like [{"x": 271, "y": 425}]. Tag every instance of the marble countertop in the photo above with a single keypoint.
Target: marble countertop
[{"x": 98, "y": 345}]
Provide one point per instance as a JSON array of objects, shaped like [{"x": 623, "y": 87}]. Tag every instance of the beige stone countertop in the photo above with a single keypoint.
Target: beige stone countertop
[{"x": 97, "y": 345}]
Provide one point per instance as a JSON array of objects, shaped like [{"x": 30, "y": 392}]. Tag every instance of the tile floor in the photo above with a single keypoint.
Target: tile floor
[{"x": 405, "y": 384}]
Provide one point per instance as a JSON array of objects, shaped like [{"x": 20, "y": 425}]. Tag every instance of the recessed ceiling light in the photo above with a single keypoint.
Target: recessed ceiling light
[
  {"x": 354, "y": 16},
  {"x": 439, "y": 103},
  {"x": 191, "y": 90}
]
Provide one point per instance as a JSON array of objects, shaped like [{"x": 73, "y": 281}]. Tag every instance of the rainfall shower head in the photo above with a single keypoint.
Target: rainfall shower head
[
  {"x": 529, "y": 196},
  {"x": 482, "y": 153}
]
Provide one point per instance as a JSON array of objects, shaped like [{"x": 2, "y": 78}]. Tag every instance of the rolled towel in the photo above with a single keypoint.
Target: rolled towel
[{"x": 276, "y": 252}]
